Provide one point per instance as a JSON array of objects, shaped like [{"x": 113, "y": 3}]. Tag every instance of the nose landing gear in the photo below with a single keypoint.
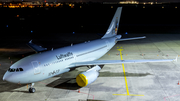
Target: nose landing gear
[{"x": 31, "y": 89}]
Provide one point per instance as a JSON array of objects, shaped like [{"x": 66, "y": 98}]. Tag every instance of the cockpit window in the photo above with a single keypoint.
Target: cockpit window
[
  {"x": 20, "y": 69},
  {"x": 9, "y": 69},
  {"x": 15, "y": 70}
]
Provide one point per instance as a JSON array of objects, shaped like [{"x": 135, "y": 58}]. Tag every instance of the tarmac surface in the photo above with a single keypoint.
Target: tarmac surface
[{"x": 128, "y": 82}]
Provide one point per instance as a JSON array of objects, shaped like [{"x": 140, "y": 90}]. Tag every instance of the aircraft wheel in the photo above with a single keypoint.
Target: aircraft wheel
[{"x": 32, "y": 90}]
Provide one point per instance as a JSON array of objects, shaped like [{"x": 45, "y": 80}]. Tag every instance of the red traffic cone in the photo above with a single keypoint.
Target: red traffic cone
[
  {"x": 78, "y": 90},
  {"x": 178, "y": 83}
]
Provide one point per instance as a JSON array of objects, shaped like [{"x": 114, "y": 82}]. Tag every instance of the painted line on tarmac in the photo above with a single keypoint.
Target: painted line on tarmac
[
  {"x": 171, "y": 96},
  {"x": 125, "y": 78},
  {"x": 124, "y": 71},
  {"x": 128, "y": 95}
]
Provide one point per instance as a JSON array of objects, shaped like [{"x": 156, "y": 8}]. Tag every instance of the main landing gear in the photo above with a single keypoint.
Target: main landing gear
[{"x": 31, "y": 89}]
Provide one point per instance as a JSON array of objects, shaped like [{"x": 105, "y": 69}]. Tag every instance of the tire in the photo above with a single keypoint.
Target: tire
[{"x": 32, "y": 90}]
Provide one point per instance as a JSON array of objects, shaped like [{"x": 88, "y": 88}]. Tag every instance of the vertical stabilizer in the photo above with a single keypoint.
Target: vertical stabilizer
[{"x": 113, "y": 28}]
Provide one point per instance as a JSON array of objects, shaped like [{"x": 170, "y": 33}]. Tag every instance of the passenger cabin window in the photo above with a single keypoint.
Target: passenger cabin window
[{"x": 15, "y": 70}]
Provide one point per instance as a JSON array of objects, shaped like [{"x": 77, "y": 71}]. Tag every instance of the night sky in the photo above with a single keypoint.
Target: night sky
[
  {"x": 91, "y": 18},
  {"x": 95, "y": 0}
]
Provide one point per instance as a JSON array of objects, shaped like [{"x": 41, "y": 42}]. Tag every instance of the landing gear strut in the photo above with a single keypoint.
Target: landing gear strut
[{"x": 31, "y": 89}]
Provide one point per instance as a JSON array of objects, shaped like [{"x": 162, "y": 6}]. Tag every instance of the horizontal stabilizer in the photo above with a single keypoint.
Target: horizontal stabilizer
[
  {"x": 36, "y": 47},
  {"x": 103, "y": 62},
  {"x": 131, "y": 38}
]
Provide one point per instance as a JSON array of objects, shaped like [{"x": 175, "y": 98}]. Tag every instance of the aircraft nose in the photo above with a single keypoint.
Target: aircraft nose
[
  {"x": 4, "y": 77},
  {"x": 7, "y": 77}
]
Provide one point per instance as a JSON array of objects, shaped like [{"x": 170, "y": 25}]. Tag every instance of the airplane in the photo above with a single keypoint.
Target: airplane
[{"x": 46, "y": 64}]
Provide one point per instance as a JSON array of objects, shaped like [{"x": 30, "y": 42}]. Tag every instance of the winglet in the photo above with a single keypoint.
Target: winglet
[
  {"x": 30, "y": 41},
  {"x": 176, "y": 58}
]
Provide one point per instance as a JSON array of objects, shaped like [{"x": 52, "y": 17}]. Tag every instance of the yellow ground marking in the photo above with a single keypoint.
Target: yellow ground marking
[
  {"x": 125, "y": 78},
  {"x": 128, "y": 95}
]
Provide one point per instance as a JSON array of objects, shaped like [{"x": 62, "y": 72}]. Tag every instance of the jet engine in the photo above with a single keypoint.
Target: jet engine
[{"x": 88, "y": 77}]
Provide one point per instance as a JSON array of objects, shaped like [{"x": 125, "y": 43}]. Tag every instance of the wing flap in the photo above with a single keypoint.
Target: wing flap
[
  {"x": 103, "y": 62},
  {"x": 36, "y": 47}
]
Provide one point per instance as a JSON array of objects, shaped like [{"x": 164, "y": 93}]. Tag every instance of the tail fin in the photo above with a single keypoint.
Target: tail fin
[{"x": 113, "y": 28}]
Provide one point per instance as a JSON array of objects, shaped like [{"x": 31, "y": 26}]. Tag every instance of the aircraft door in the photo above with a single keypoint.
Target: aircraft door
[{"x": 36, "y": 67}]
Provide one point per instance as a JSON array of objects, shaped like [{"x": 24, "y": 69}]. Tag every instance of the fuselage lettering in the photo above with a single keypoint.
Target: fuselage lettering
[
  {"x": 55, "y": 72},
  {"x": 61, "y": 56}
]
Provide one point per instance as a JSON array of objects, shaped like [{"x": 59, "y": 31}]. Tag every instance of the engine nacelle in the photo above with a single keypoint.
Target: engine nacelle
[{"x": 88, "y": 77}]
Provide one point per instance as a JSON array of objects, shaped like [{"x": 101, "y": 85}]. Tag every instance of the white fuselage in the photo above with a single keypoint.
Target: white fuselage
[{"x": 47, "y": 64}]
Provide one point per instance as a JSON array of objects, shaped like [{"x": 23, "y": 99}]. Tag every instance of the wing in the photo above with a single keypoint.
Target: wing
[
  {"x": 103, "y": 62},
  {"x": 131, "y": 38},
  {"x": 36, "y": 47}
]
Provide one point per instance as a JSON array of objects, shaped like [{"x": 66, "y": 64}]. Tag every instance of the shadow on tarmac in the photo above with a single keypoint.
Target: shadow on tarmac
[
  {"x": 70, "y": 83},
  {"x": 9, "y": 87},
  {"x": 64, "y": 83}
]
